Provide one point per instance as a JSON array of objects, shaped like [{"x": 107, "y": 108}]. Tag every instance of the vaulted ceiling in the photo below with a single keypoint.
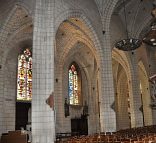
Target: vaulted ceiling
[{"x": 138, "y": 14}]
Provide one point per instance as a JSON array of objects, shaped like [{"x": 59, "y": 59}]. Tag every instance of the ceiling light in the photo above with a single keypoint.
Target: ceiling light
[
  {"x": 152, "y": 40},
  {"x": 128, "y": 44}
]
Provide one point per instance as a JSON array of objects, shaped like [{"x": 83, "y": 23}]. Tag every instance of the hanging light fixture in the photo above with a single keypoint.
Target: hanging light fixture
[
  {"x": 127, "y": 44},
  {"x": 150, "y": 37}
]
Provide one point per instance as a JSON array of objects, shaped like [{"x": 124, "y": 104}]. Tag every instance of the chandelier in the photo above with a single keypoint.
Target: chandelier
[
  {"x": 150, "y": 37},
  {"x": 127, "y": 44}
]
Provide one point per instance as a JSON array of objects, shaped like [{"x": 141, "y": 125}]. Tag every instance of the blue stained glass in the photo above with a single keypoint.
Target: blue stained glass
[{"x": 74, "y": 87}]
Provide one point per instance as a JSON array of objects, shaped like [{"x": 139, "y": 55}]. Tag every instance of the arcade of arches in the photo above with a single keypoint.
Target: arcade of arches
[{"x": 67, "y": 48}]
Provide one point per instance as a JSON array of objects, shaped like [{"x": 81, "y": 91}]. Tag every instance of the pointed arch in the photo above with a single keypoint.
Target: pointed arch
[
  {"x": 24, "y": 76},
  {"x": 145, "y": 94},
  {"x": 74, "y": 84}
]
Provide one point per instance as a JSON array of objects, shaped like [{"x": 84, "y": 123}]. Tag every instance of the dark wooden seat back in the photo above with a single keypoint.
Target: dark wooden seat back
[{"x": 14, "y": 137}]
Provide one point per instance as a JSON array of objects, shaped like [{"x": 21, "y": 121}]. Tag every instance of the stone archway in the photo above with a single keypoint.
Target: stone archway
[
  {"x": 123, "y": 98},
  {"x": 73, "y": 44},
  {"x": 19, "y": 36},
  {"x": 145, "y": 95}
]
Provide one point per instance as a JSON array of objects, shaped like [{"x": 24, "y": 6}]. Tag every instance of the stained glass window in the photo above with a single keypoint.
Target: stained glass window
[
  {"x": 129, "y": 107},
  {"x": 74, "y": 85},
  {"x": 24, "y": 76}
]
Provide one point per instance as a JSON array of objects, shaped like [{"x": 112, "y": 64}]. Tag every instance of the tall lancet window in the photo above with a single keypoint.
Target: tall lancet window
[
  {"x": 74, "y": 85},
  {"x": 24, "y": 76}
]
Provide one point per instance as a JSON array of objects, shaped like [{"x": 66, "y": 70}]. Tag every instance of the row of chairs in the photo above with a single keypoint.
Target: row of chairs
[
  {"x": 134, "y": 135},
  {"x": 111, "y": 139}
]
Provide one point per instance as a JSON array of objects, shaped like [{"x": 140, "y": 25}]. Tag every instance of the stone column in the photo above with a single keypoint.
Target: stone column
[
  {"x": 135, "y": 94},
  {"x": 43, "y": 123},
  {"x": 1, "y": 95},
  {"x": 123, "y": 121},
  {"x": 107, "y": 98}
]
